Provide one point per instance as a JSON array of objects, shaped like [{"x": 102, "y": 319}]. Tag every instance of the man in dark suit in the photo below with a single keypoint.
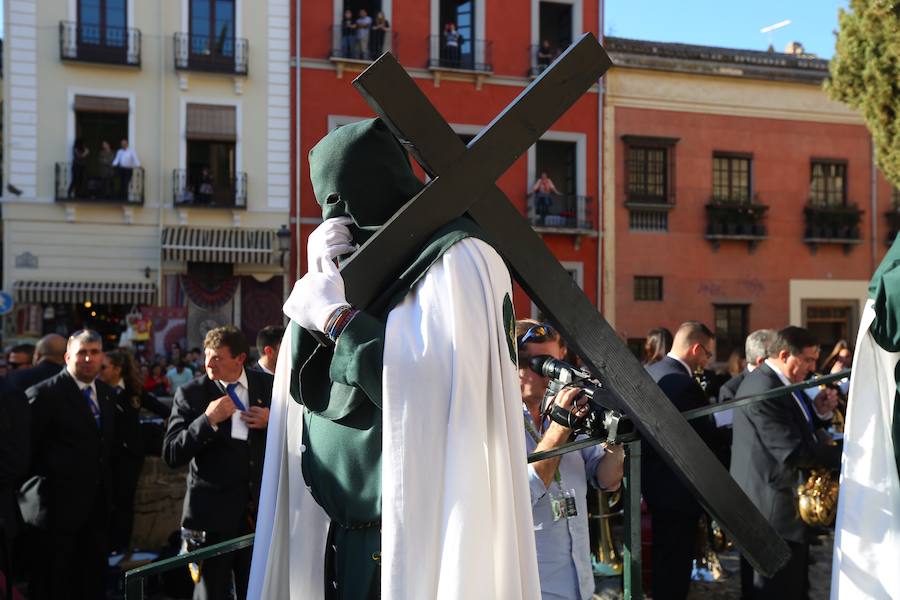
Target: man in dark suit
[
  {"x": 15, "y": 456},
  {"x": 773, "y": 440},
  {"x": 673, "y": 510},
  {"x": 49, "y": 360},
  {"x": 72, "y": 418},
  {"x": 218, "y": 425}
]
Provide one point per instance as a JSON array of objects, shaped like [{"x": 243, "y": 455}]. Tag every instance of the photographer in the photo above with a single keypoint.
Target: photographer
[{"x": 559, "y": 485}]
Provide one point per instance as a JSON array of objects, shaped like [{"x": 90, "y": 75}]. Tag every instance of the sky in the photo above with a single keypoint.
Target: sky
[{"x": 732, "y": 23}]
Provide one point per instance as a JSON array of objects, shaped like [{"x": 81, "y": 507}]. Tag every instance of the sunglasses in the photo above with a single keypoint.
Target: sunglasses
[{"x": 537, "y": 333}]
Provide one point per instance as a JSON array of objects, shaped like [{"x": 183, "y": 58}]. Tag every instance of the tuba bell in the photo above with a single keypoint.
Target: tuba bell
[{"x": 817, "y": 498}]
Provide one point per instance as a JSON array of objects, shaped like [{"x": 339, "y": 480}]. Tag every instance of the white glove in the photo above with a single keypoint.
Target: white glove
[
  {"x": 315, "y": 297},
  {"x": 328, "y": 241}
]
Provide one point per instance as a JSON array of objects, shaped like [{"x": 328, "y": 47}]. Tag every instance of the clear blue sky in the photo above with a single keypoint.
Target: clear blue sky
[{"x": 732, "y": 23}]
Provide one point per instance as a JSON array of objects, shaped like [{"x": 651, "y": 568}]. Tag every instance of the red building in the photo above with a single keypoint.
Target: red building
[
  {"x": 736, "y": 193},
  {"x": 469, "y": 82}
]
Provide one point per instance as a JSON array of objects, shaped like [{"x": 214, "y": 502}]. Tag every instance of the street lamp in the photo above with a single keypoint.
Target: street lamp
[{"x": 284, "y": 242}]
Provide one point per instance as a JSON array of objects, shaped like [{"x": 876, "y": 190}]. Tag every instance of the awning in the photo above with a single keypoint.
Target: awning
[
  {"x": 98, "y": 292},
  {"x": 101, "y": 104},
  {"x": 211, "y": 122},
  {"x": 247, "y": 246}
]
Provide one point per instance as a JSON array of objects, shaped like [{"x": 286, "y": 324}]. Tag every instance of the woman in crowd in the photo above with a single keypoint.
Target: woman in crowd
[
  {"x": 80, "y": 153},
  {"x": 156, "y": 382},
  {"x": 120, "y": 372},
  {"x": 841, "y": 358},
  {"x": 657, "y": 345},
  {"x": 104, "y": 161}
]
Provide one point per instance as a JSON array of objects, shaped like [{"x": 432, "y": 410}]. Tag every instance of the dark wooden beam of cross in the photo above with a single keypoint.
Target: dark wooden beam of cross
[{"x": 464, "y": 181}]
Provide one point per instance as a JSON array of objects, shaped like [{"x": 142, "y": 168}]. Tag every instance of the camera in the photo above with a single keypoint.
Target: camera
[{"x": 601, "y": 420}]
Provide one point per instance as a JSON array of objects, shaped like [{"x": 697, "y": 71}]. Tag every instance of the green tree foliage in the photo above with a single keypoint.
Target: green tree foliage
[{"x": 865, "y": 74}]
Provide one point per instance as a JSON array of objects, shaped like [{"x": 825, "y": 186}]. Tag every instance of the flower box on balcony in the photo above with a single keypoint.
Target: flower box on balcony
[
  {"x": 732, "y": 220},
  {"x": 832, "y": 225}
]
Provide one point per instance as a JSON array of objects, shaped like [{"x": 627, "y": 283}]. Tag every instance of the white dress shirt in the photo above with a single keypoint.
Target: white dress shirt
[
  {"x": 263, "y": 368},
  {"x": 239, "y": 429},
  {"x": 126, "y": 158},
  {"x": 82, "y": 385}
]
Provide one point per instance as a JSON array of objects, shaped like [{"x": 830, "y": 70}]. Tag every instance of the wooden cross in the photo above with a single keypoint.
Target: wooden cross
[{"x": 463, "y": 180}]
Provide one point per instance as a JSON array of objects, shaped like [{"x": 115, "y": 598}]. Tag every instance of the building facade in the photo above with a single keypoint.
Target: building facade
[
  {"x": 181, "y": 230},
  {"x": 470, "y": 72},
  {"x": 736, "y": 193}
]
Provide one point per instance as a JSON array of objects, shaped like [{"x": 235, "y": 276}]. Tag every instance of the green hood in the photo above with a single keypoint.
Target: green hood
[
  {"x": 360, "y": 170},
  {"x": 884, "y": 289}
]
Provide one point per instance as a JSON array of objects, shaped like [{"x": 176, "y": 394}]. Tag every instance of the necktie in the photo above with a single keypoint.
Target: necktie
[
  {"x": 232, "y": 393},
  {"x": 90, "y": 400},
  {"x": 806, "y": 411}
]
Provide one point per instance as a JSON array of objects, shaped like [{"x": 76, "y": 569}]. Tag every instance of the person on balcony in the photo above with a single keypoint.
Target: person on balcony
[
  {"x": 206, "y": 190},
  {"x": 105, "y": 160},
  {"x": 348, "y": 33},
  {"x": 125, "y": 162},
  {"x": 80, "y": 153},
  {"x": 380, "y": 30},
  {"x": 452, "y": 41},
  {"x": 543, "y": 195},
  {"x": 545, "y": 55},
  {"x": 363, "y": 27}
]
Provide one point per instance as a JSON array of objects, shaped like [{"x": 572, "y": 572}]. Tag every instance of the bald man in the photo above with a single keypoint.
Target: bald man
[{"x": 49, "y": 359}]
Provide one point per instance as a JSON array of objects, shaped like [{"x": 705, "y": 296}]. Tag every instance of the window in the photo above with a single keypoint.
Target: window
[
  {"x": 212, "y": 29},
  {"x": 649, "y": 169},
  {"x": 648, "y": 288},
  {"x": 828, "y": 183},
  {"x": 731, "y": 178},
  {"x": 731, "y": 329},
  {"x": 210, "y": 177}
]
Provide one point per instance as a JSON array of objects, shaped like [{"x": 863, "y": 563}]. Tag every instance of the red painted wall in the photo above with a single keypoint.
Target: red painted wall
[
  {"x": 696, "y": 276},
  {"x": 508, "y": 25}
]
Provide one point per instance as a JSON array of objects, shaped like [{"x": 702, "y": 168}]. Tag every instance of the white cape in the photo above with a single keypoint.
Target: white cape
[
  {"x": 867, "y": 533},
  {"x": 456, "y": 514}
]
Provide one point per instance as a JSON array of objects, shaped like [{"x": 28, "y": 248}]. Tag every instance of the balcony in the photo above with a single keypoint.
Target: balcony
[
  {"x": 189, "y": 190},
  {"x": 83, "y": 186},
  {"x": 212, "y": 55},
  {"x": 85, "y": 42},
  {"x": 832, "y": 225},
  {"x": 565, "y": 214},
  {"x": 735, "y": 220},
  {"x": 470, "y": 61},
  {"x": 347, "y": 54}
]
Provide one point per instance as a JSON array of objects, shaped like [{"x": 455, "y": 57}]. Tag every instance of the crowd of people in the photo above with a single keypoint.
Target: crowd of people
[
  {"x": 362, "y": 37},
  {"x": 114, "y": 170},
  {"x": 72, "y": 447}
]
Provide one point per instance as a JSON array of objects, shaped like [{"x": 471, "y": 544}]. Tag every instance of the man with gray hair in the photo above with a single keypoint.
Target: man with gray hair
[
  {"x": 68, "y": 498},
  {"x": 756, "y": 349}
]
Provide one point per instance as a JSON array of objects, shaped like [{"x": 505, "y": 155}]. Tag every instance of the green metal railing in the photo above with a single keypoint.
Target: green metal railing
[{"x": 631, "y": 490}]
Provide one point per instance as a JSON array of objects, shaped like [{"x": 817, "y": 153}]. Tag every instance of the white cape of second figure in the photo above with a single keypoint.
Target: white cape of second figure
[
  {"x": 456, "y": 516},
  {"x": 867, "y": 532}
]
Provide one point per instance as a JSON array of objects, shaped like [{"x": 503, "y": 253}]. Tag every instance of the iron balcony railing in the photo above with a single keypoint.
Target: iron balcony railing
[
  {"x": 832, "y": 223},
  {"x": 345, "y": 44},
  {"x": 566, "y": 211},
  {"x": 81, "y": 184},
  {"x": 100, "y": 44},
  {"x": 190, "y": 189},
  {"x": 468, "y": 55},
  {"x": 212, "y": 54}
]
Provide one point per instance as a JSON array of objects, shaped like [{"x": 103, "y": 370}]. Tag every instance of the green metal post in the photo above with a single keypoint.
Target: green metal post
[
  {"x": 134, "y": 588},
  {"x": 631, "y": 490}
]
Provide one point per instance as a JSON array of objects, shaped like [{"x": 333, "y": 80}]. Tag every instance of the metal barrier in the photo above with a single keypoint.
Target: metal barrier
[{"x": 631, "y": 489}]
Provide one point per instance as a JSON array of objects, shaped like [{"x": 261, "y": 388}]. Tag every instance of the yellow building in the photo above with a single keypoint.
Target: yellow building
[{"x": 199, "y": 89}]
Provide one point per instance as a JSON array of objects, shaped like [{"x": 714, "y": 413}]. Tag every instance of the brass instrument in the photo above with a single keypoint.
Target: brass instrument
[
  {"x": 817, "y": 498},
  {"x": 608, "y": 558}
]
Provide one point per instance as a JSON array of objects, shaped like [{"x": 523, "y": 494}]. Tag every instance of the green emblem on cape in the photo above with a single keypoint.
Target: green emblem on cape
[{"x": 509, "y": 323}]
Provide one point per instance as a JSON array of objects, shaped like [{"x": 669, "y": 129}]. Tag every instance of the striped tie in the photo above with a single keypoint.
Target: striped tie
[{"x": 94, "y": 409}]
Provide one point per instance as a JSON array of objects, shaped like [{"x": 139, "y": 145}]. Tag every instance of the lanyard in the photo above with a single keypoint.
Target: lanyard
[{"x": 529, "y": 427}]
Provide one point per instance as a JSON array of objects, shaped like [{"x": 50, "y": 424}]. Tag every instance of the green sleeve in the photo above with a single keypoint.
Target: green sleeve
[{"x": 358, "y": 356}]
